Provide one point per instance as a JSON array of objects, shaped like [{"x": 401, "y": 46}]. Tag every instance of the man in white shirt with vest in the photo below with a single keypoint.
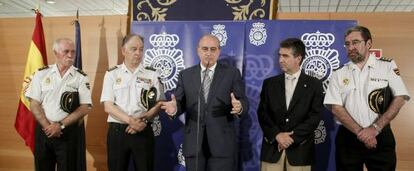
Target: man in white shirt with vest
[{"x": 358, "y": 96}]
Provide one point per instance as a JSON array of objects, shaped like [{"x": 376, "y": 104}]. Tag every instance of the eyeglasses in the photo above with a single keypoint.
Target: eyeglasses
[{"x": 353, "y": 43}]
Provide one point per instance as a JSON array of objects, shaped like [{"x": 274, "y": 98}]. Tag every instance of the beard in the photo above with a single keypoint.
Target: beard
[{"x": 355, "y": 56}]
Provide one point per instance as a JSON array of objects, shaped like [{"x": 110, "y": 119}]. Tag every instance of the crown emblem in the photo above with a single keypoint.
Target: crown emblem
[
  {"x": 318, "y": 39},
  {"x": 164, "y": 40},
  {"x": 258, "y": 25}
]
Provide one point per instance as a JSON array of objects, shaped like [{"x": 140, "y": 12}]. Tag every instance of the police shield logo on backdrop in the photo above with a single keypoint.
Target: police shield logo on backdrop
[
  {"x": 258, "y": 35},
  {"x": 320, "y": 59},
  {"x": 165, "y": 58},
  {"x": 320, "y": 62},
  {"x": 220, "y": 32}
]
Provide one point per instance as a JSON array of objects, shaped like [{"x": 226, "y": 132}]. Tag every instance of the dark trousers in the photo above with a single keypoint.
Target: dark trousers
[
  {"x": 351, "y": 154},
  {"x": 121, "y": 146},
  {"x": 208, "y": 162},
  {"x": 61, "y": 151}
]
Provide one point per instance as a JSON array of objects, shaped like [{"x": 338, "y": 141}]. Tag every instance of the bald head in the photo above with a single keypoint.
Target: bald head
[{"x": 208, "y": 50}]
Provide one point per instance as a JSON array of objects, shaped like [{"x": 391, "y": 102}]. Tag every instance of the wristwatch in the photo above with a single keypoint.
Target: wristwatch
[{"x": 61, "y": 125}]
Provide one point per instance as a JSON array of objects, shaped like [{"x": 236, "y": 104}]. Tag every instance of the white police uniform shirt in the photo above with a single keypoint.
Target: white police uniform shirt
[
  {"x": 47, "y": 87},
  {"x": 349, "y": 87},
  {"x": 123, "y": 87}
]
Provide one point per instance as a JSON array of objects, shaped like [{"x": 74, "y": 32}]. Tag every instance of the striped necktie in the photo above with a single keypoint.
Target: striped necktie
[{"x": 207, "y": 83}]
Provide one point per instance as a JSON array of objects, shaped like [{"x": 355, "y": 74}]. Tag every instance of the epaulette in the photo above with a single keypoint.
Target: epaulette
[
  {"x": 44, "y": 67},
  {"x": 385, "y": 59},
  {"x": 150, "y": 68},
  {"x": 339, "y": 67},
  {"x": 113, "y": 68},
  {"x": 81, "y": 72}
]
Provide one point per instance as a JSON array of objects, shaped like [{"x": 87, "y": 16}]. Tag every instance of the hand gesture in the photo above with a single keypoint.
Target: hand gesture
[
  {"x": 236, "y": 105},
  {"x": 170, "y": 107}
]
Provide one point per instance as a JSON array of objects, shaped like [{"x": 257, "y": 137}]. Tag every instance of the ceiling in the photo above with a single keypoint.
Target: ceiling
[{"x": 23, "y": 8}]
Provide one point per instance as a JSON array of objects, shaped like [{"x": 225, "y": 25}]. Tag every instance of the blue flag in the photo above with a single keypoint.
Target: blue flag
[
  {"x": 81, "y": 150},
  {"x": 78, "y": 59}
]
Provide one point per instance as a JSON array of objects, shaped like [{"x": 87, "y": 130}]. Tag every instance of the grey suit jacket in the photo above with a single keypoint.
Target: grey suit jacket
[{"x": 216, "y": 119}]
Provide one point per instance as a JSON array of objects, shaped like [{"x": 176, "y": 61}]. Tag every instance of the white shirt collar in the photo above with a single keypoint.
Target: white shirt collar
[
  {"x": 295, "y": 75},
  {"x": 70, "y": 71},
  {"x": 212, "y": 68},
  {"x": 140, "y": 67}
]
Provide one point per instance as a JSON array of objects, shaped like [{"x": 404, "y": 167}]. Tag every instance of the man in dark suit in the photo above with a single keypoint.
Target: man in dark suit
[
  {"x": 289, "y": 111},
  {"x": 211, "y": 101}
]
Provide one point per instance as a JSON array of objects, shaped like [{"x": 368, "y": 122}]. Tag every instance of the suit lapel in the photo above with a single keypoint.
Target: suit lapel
[
  {"x": 215, "y": 83},
  {"x": 196, "y": 76},
  {"x": 280, "y": 91},
  {"x": 300, "y": 89}
]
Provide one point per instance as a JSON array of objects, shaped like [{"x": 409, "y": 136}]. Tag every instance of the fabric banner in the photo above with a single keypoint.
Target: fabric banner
[
  {"x": 25, "y": 122},
  {"x": 157, "y": 10},
  {"x": 251, "y": 46}
]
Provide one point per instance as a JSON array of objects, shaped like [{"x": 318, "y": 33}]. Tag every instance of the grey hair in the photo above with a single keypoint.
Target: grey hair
[
  {"x": 56, "y": 43},
  {"x": 129, "y": 36}
]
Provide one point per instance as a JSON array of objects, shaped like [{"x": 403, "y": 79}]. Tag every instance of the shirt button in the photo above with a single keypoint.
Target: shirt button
[{"x": 287, "y": 119}]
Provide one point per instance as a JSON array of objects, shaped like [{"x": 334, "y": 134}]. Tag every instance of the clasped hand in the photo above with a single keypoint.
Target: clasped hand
[
  {"x": 284, "y": 140},
  {"x": 368, "y": 137},
  {"x": 53, "y": 130},
  {"x": 136, "y": 125}
]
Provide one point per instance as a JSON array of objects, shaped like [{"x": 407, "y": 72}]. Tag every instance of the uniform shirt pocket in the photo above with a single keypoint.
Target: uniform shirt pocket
[
  {"x": 47, "y": 87},
  {"x": 121, "y": 93},
  {"x": 346, "y": 91}
]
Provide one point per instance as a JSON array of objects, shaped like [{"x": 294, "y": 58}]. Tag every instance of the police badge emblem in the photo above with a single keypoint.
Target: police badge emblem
[
  {"x": 320, "y": 59},
  {"x": 220, "y": 32},
  {"x": 320, "y": 133},
  {"x": 258, "y": 35},
  {"x": 165, "y": 58}
]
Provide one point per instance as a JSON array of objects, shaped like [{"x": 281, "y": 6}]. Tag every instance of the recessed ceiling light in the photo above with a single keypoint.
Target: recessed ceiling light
[
  {"x": 50, "y": 1},
  {"x": 1, "y": 3}
]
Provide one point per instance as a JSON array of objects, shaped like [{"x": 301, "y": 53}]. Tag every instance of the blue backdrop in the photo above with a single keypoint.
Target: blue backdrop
[{"x": 252, "y": 47}]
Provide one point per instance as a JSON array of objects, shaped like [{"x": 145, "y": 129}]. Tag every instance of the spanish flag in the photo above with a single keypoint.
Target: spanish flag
[{"x": 25, "y": 122}]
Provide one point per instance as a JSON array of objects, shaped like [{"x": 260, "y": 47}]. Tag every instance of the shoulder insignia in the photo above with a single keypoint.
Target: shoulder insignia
[
  {"x": 385, "y": 59},
  {"x": 81, "y": 72},
  {"x": 44, "y": 67},
  {"x": 150, "y": 68},
  {"x": 339, "y": 68},
  {"x": 113, "y": 68}
]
